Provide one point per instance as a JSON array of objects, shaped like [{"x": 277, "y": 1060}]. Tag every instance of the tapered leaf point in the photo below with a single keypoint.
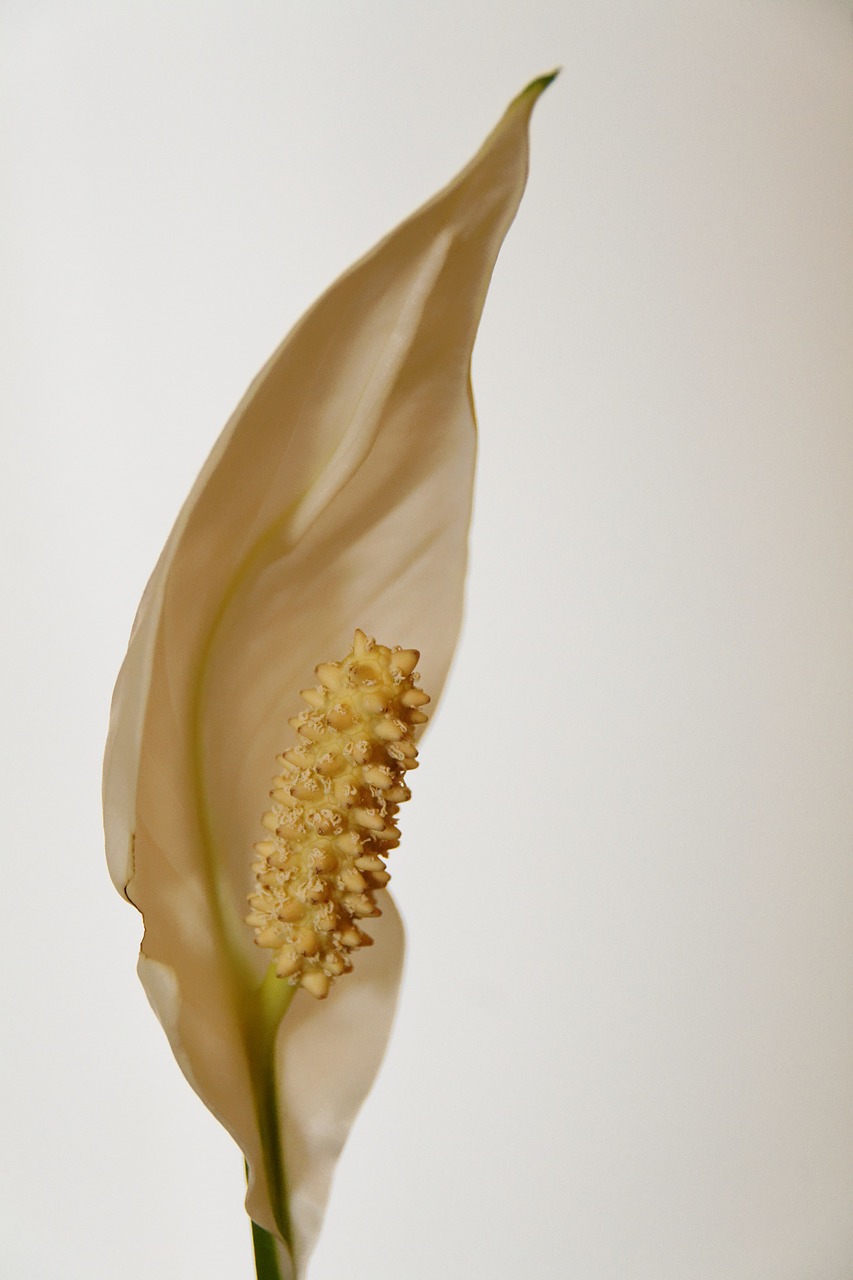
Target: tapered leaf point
[
  {"x": 539, "y": 85},
  {"x": 333, "y": 814}
]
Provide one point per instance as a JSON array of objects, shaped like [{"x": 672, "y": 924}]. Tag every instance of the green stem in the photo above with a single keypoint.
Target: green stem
[
  {"x": 262, "y": 1020},
  {"x": 266, "y": 1258},
  {"x": 258, "y": 1010}
]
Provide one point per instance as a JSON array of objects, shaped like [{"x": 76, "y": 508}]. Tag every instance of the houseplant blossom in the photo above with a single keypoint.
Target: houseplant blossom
[{"x": 338, "y": 496}]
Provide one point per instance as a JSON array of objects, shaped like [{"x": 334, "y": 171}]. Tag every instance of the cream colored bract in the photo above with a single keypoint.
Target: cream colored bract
[{"x": 337, "y": 496}]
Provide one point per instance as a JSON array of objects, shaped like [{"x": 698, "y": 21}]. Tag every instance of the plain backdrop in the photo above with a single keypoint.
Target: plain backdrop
[{"x": 624, "y": 1048}]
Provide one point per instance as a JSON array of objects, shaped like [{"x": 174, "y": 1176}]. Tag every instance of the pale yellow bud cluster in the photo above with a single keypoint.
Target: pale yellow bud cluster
[{"x": 333, "y": 813}]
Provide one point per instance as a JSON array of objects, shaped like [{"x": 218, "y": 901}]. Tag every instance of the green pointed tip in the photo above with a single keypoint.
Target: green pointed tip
[
  {"x": 540, "y": 84},
  {"x": 529, "y": 96}
]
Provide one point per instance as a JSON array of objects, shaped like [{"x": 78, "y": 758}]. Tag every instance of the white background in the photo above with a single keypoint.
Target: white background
[{"x": 625, "y": 1043}]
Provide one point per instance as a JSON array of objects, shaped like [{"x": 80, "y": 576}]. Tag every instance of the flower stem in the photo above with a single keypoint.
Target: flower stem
[
  {"x": 272, "y": 1000},
  {"x": 266, "y": 1259}
]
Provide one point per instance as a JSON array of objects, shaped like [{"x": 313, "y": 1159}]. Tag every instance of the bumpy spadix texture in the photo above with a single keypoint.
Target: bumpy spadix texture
[
  {"x": 333, "y": 815},
  {"x": 339, "y": 494}
]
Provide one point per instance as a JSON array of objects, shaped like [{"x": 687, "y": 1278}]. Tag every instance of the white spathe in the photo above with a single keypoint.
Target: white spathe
[{"x": 337, "y": 496}]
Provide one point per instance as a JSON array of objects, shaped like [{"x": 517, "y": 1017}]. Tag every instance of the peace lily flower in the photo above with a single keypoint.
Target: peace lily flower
[{"x": 337, "y": 497}]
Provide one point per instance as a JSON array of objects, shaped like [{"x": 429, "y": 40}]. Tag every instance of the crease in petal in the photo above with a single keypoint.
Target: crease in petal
[{"x": 366, "y": 414}]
